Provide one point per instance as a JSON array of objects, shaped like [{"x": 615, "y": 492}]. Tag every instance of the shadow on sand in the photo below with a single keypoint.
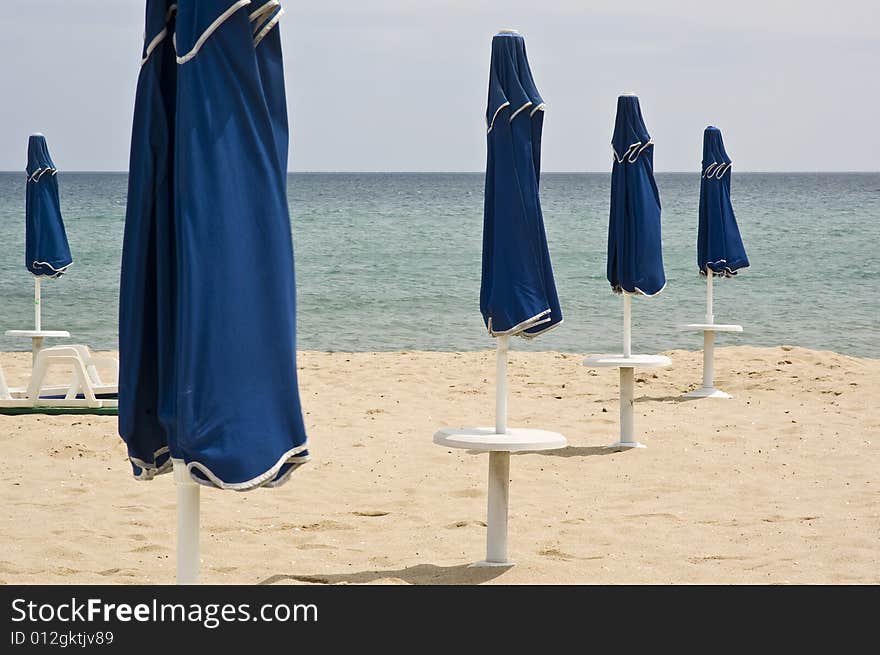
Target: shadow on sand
[
  {"x": 419, "y": 574},
  {"x": 663, "y": 399},
  {"x": 571, "y": 451}
]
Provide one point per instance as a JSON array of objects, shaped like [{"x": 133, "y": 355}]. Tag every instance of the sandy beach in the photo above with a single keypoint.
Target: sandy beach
[{"x": 778, "y": 485}]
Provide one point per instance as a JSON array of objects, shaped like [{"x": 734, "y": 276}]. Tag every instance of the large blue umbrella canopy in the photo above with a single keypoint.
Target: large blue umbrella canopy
[
  {"x": 635, "y": 254},
  {"x": 719, "y": 244},
  {"x": 47, "y": 253},
  {"x": 518, "y": 294},
  {"x": 207, "y": 298}
]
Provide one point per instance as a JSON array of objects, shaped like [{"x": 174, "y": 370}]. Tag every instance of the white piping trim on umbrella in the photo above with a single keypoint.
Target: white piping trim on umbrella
[
  {"x": 619, "y": 289},
  {"x": 265, "y": 9},
  {"x": 529, "y": 322},
  {"x": 497, "y": 111},
  {"x": 160, "y": 36},
  {"x": 37, "y": 174},
  {"x": 541, "y": 107},
  {"x": 264, "y": 479},
  {"x": 516, "y": 113},
  {"x": 149, "y": 471},
  {"x": 154, "y": 44},
  {"x": 717, "y": 170},
  {"x": 727, "y": 272},
  {"x": 57, "y": 271},
  {"x": 620, "y": 159},
  {"x": 532, "y": 335},
  {"x": 222, "y": 18},
  {"x": 631, "y": 154},
  {"x": 268, "y": 27},
  {"x": 635, "y": 154},
  {"x": 295, "y": 463},
  {"x": 651, "y": 295}
]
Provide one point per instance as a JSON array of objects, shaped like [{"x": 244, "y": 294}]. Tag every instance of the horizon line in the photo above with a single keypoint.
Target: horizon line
[{"x": 423, "y": 172}]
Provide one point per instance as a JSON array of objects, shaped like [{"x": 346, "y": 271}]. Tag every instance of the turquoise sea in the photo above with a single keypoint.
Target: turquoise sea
[{"x": 391, "y": 261}]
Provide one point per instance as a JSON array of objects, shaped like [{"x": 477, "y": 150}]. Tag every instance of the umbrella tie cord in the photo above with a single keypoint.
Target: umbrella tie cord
[
  {"x": 497, "y": 111},
  {"x": 37, "y": 174},
  {"x": 271, "y": 23},
  {"x": 154, "y": 43},
  {"x": 213, "y": 27},
  {"x": 717, "y": 170},
  {"x": 631, "y": 154}
]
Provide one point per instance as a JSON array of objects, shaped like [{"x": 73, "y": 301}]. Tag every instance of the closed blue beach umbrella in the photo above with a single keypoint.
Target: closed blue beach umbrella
[
  {"x": 518, "y": 294},
  {"x": 207, "y": 301},
  {"x": 208, "y": 380},
  {"x": 720, "y": 250},
  {"x": 635, "y": 256},
  {"x": 719, "y": 244},
  {"x": 47, "y": 253}
]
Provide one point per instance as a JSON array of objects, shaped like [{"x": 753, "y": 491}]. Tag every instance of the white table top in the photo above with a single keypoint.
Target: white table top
[
  {"x": 34, "y": 334},
  {"x": 711, "y": 327},
  {"x": 486, "y": 439},
  {"x": 633, "y": 361}
]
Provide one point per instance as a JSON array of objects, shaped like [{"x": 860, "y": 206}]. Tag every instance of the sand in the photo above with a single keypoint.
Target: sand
[{"x": 778, "y": 485}]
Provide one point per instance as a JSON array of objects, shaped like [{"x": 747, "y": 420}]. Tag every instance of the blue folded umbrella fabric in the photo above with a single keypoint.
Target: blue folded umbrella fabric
[
  {"x": 635, "y": 253},
  {"x": 207, "y": 299},
  {"x": 518, "y": 293},
  {"x": 47, "y": 252},
  {"x": 719, "y": 244}
]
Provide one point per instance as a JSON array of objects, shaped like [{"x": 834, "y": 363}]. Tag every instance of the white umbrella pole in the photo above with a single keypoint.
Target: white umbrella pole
[
  {"x": 709, "y": 337},
  {"x": 187, "y": 525},
  {"x": 37, "y": 342},
  {"x": 38, "y": 319},
  {"x": 501, "y": 385},
  {"x": 627, "y": 378},
  {"x": 498, "y": 506},
  {"x": 710, "y": 315},
  {"x": 499, "y": 468}
]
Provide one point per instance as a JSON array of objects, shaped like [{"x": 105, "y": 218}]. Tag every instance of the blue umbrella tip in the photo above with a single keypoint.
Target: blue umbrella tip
[
  {"x": 508, "y": 30},
  {"x": 38, "y": 134},
  {"x": 628, "y": 95}
]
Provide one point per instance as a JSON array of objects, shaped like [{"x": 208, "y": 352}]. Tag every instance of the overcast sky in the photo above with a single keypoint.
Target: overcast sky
[{"x": 400, "y": 85}]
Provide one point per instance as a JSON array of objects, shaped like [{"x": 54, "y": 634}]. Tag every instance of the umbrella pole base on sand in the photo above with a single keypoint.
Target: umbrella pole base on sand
[
  {"x": 709, "y": 328},
  {"x": 499, "y": 442},
  {"x": 627, "y": 363},
  {"x": 187, "y": 525}
]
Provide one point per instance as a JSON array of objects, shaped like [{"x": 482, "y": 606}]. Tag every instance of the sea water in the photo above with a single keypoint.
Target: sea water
[{"x": 391, "y": 261}]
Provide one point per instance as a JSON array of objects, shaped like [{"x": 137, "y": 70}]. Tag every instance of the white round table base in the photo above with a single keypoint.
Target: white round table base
[
  {"x": 710, "y": 327},
  {"x": 36, "y": 337},
  {"x": 486, "y": 439},
  {"x": 633, "y": 361},
  {"x": 37, "y": 334},
  {"x": 706, "y": 392},
  {"x": 499, "y": 447}
]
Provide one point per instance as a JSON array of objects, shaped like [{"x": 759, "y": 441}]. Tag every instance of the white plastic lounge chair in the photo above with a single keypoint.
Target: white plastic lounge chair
[{"x": 86, "y": 389}]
